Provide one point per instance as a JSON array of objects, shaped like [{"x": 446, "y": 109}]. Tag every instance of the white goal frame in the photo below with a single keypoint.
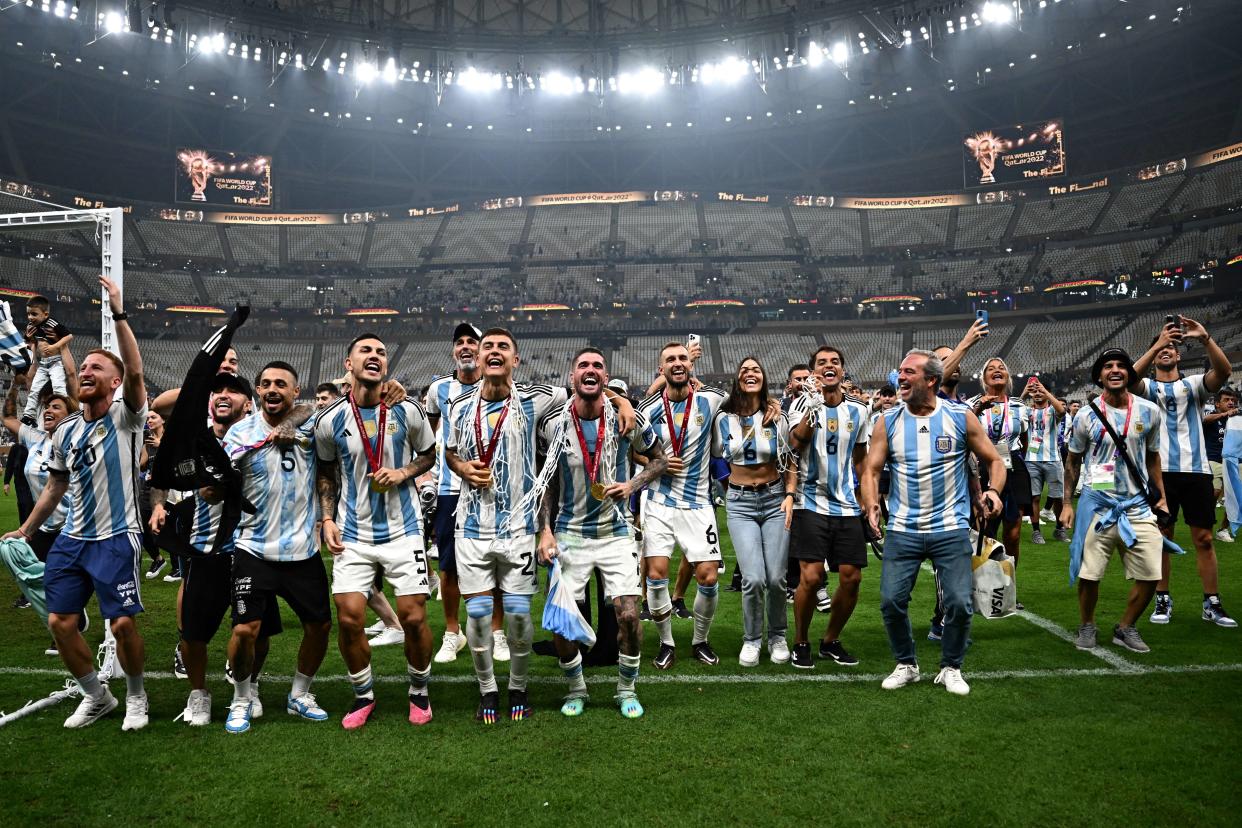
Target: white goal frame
[{"x": 110, "y": 222}]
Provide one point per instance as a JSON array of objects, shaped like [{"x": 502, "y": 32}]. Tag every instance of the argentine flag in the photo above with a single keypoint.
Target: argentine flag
[
  {"x": 560, "y": 611},
  {"x": 1231, "y": 455},
  {"x": 13, "y": 351}
]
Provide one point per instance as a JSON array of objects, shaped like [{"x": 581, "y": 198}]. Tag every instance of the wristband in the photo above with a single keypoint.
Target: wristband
[
  {"x": 120, "y": 317},
  {"x": 791, "y": 494},
  {"x": 326, "y": 519}
]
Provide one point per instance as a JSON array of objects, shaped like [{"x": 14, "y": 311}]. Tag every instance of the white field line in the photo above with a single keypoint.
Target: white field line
[
  {"x": 1124, "y": 665},
  {"x": 841, "y": 677}
]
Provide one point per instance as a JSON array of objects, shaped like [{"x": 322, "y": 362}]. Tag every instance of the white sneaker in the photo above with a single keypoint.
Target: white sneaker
[
  {"x": 778, "y": 651},
  {"x": 89, "y": 710},
  {"x": 454, "y": 643},
  {"x": 500, "y": 646},
  {"x": 390, "y": 635},
  {"x": 375, "y": 629},
  {"x": 135, "y": 712},
  {"x": 749, "y": 656},
  {"x": 1225, "y": 536},
  {"x": 902, "y": 675},
  {"x": 1046, "y": 516},
  {"x": 951, "y": 678},
  {"x": 433, "y": 586},
  {"x": 256, "y": 706},
  {"x": 197, "y": 709}
]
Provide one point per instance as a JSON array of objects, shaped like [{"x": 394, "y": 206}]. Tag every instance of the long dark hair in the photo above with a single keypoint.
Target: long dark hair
[{"x": 733, "y": 402}]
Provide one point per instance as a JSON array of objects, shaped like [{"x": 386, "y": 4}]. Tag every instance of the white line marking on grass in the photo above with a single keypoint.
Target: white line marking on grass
[
  {"x": 740, "y": 678},
  {"x": 1122, "y": 664}
]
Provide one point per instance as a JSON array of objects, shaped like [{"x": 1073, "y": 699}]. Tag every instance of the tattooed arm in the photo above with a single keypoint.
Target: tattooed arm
[{"x": 328, "y": 485}]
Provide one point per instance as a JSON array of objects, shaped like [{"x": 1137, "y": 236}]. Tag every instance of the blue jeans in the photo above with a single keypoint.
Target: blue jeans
[
  {"x": 949, "y": 553},
  {"x": 761, "y": 542}
]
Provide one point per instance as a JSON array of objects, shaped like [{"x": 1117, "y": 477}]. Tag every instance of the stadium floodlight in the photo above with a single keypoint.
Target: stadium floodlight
[
  {"x": 997, "y": 12},
  {"x": 113, "y": 22},
  {"x": 327, "y": 64},
  {"x": 840, "y": 53},
  {"x": 814, "y": 54},
  {"x": 646, "y": 81},
  {"x": 390, "y": 70},
  {"x": 365, "y": 72},
  {"x": 556, "y": 83},
  {"x": 728, "y": 71}
]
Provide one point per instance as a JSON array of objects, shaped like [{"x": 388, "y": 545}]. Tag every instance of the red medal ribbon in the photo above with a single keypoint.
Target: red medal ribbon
[
  {"x": 1125, "y": 429},
  {"x": 374, "y": 452},
  {"x": 486, "y": 452},
  {"x": 592, "y": 462},
  {"x": 675, "y": 441}
]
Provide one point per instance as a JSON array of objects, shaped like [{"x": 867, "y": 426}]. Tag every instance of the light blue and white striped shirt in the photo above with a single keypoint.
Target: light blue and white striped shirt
[
  {"x": 205, "y": 525},
  {"x": 1003, "y": 422},
  {"x": 1043, "y": 427},
  {"x": 826, "y": 480},
  {"x": 485, "y": 514},
  {"x": 101, "y": 458},
  {"x": 363, "y": 515},
  {"x": 441, "y": 392},
  {"x": 1181, "y": 440},
  {"x": 746, "y": 441},
  {"x": 1142, "y": 436},
  {"x": 928, "y": 489},
  {"x": 580, "y": 513},
  {"x": 38, "y": 445},
  {"x": 280, "y": 482},
  {"x": 689, "y": 490}
]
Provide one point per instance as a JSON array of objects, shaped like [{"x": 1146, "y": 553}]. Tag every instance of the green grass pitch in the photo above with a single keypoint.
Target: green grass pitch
[{"x": 1048, "y": 736}]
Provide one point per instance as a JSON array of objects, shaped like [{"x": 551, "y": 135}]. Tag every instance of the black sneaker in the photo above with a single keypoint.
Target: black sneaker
[
  {"x": 156, "y": 567},
  {"x": 519, "y": 707},
  {"x": 665, "y": 658},
  {"x": 802, "y": 656},
  {"x": 735, "y": 585},
  {"x": 179, "y": 665},
  {"x": 789, "y": 595},
  {"x": 644, "y": 614},
  {"x": 20, "y": 602},
  {"x": 834, "y": 651},
  {"x": 488, "y": 702},
  {"x": 679, "y": 608},
  {"x": 704, "y": 653}
]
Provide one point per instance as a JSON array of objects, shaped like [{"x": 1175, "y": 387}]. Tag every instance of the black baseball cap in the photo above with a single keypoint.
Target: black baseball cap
[
  {"x": 232, "y": 382},
  {"x": 1108, "y": 356},
  {"x": 466, "y": 329}
]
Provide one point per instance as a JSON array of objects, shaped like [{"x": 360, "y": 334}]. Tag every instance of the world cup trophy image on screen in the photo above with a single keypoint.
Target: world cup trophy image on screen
[
  {"x": 199, "y": 167},
  {"x": 986, "y": 147}
]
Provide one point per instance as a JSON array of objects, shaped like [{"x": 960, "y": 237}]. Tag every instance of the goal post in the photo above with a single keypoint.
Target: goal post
[{"x": 109, "y": 222}]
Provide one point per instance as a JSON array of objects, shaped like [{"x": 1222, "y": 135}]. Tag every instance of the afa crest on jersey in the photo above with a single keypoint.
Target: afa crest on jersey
[{"x": 944, "y": 444}]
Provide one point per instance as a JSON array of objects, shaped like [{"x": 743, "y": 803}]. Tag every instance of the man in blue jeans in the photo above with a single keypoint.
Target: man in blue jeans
[{"x": 926, "y": 442}]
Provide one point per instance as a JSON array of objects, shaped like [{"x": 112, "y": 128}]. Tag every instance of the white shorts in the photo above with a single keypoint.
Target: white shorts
[
  {"x": 402, "y": 562},
  {"x": 484, "y": 565},
  {"x": 615, "y": 558},
  {"x": 1142, "y": 562},
  {"x": 694, "y": 530}
]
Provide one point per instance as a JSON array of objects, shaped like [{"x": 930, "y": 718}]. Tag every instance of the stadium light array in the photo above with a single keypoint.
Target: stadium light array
[
  {"x": 646, "y": 81},
  {"x": 994, "y": 12}
]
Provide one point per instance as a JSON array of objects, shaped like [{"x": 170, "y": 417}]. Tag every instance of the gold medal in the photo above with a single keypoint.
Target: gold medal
[
  {"x": 376, "y": 487},
  {"x": 597, "y": 490}
]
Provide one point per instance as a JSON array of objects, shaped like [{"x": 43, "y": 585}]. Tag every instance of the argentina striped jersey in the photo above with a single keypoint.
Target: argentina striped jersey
[
  {"x": 1003, "y": 421},
  {"x": 688, "y": 490},
  {"x": 1142, "y": 436},
  {"x": 1182, "y": 448},
  {"x": 280, "y": 482},
  {"x": 485, "y": 514},
  {"x": 101, "y": 459},
  {"x": 580, "y": 513},
  {"x": 928, "y": 490},
  {"x": 205, "y": 525},
  {"x": 38, "y": 445},
  {"x": 746, "y": 441},
  {"x": 441, "y": 392},
  {"x": 1043, "y": 429},
  {"x": 363, "y": 515},
  {"x": 826, "y": 479}
]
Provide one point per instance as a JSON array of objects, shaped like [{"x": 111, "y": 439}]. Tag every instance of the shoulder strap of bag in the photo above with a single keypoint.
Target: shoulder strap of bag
[{"x": 1120, "y": 446}]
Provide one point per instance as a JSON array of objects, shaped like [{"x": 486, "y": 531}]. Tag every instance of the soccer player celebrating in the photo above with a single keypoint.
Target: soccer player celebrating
[
  {"x": 925, "y": 441},
  {"x": 95, "y": 460},
  {"x": 678, "y": 509},
  {"x": 1043, "y": 458},
  {"x": 206, "y": 589},
  {"x": 277, "y": 553},
  {"x": 583, "y": 520},
  {"x": 831, "y": 440},
  {"x": 491, "y": 446},
  {"x": 442, "y": 391},
  {"x": 373, "y": 454},
  {"x": 1114, "y": 514},
  {"x": 1183, "y": 454}
]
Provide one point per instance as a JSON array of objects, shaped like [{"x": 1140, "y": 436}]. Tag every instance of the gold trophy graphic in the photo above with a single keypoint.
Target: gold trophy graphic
[
  {"x": 199, "y": 167},
  {"x": 986, "y": 147}
]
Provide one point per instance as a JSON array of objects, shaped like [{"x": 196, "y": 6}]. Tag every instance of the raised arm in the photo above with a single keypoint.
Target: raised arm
[
  {"x": 1169, "y": 334},
  {"x": 10, "y": 408},
  {"x": 1219, "y": 368},
  {"x": 977, "y": 330},
  {"x": 133, "y": 390}
]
